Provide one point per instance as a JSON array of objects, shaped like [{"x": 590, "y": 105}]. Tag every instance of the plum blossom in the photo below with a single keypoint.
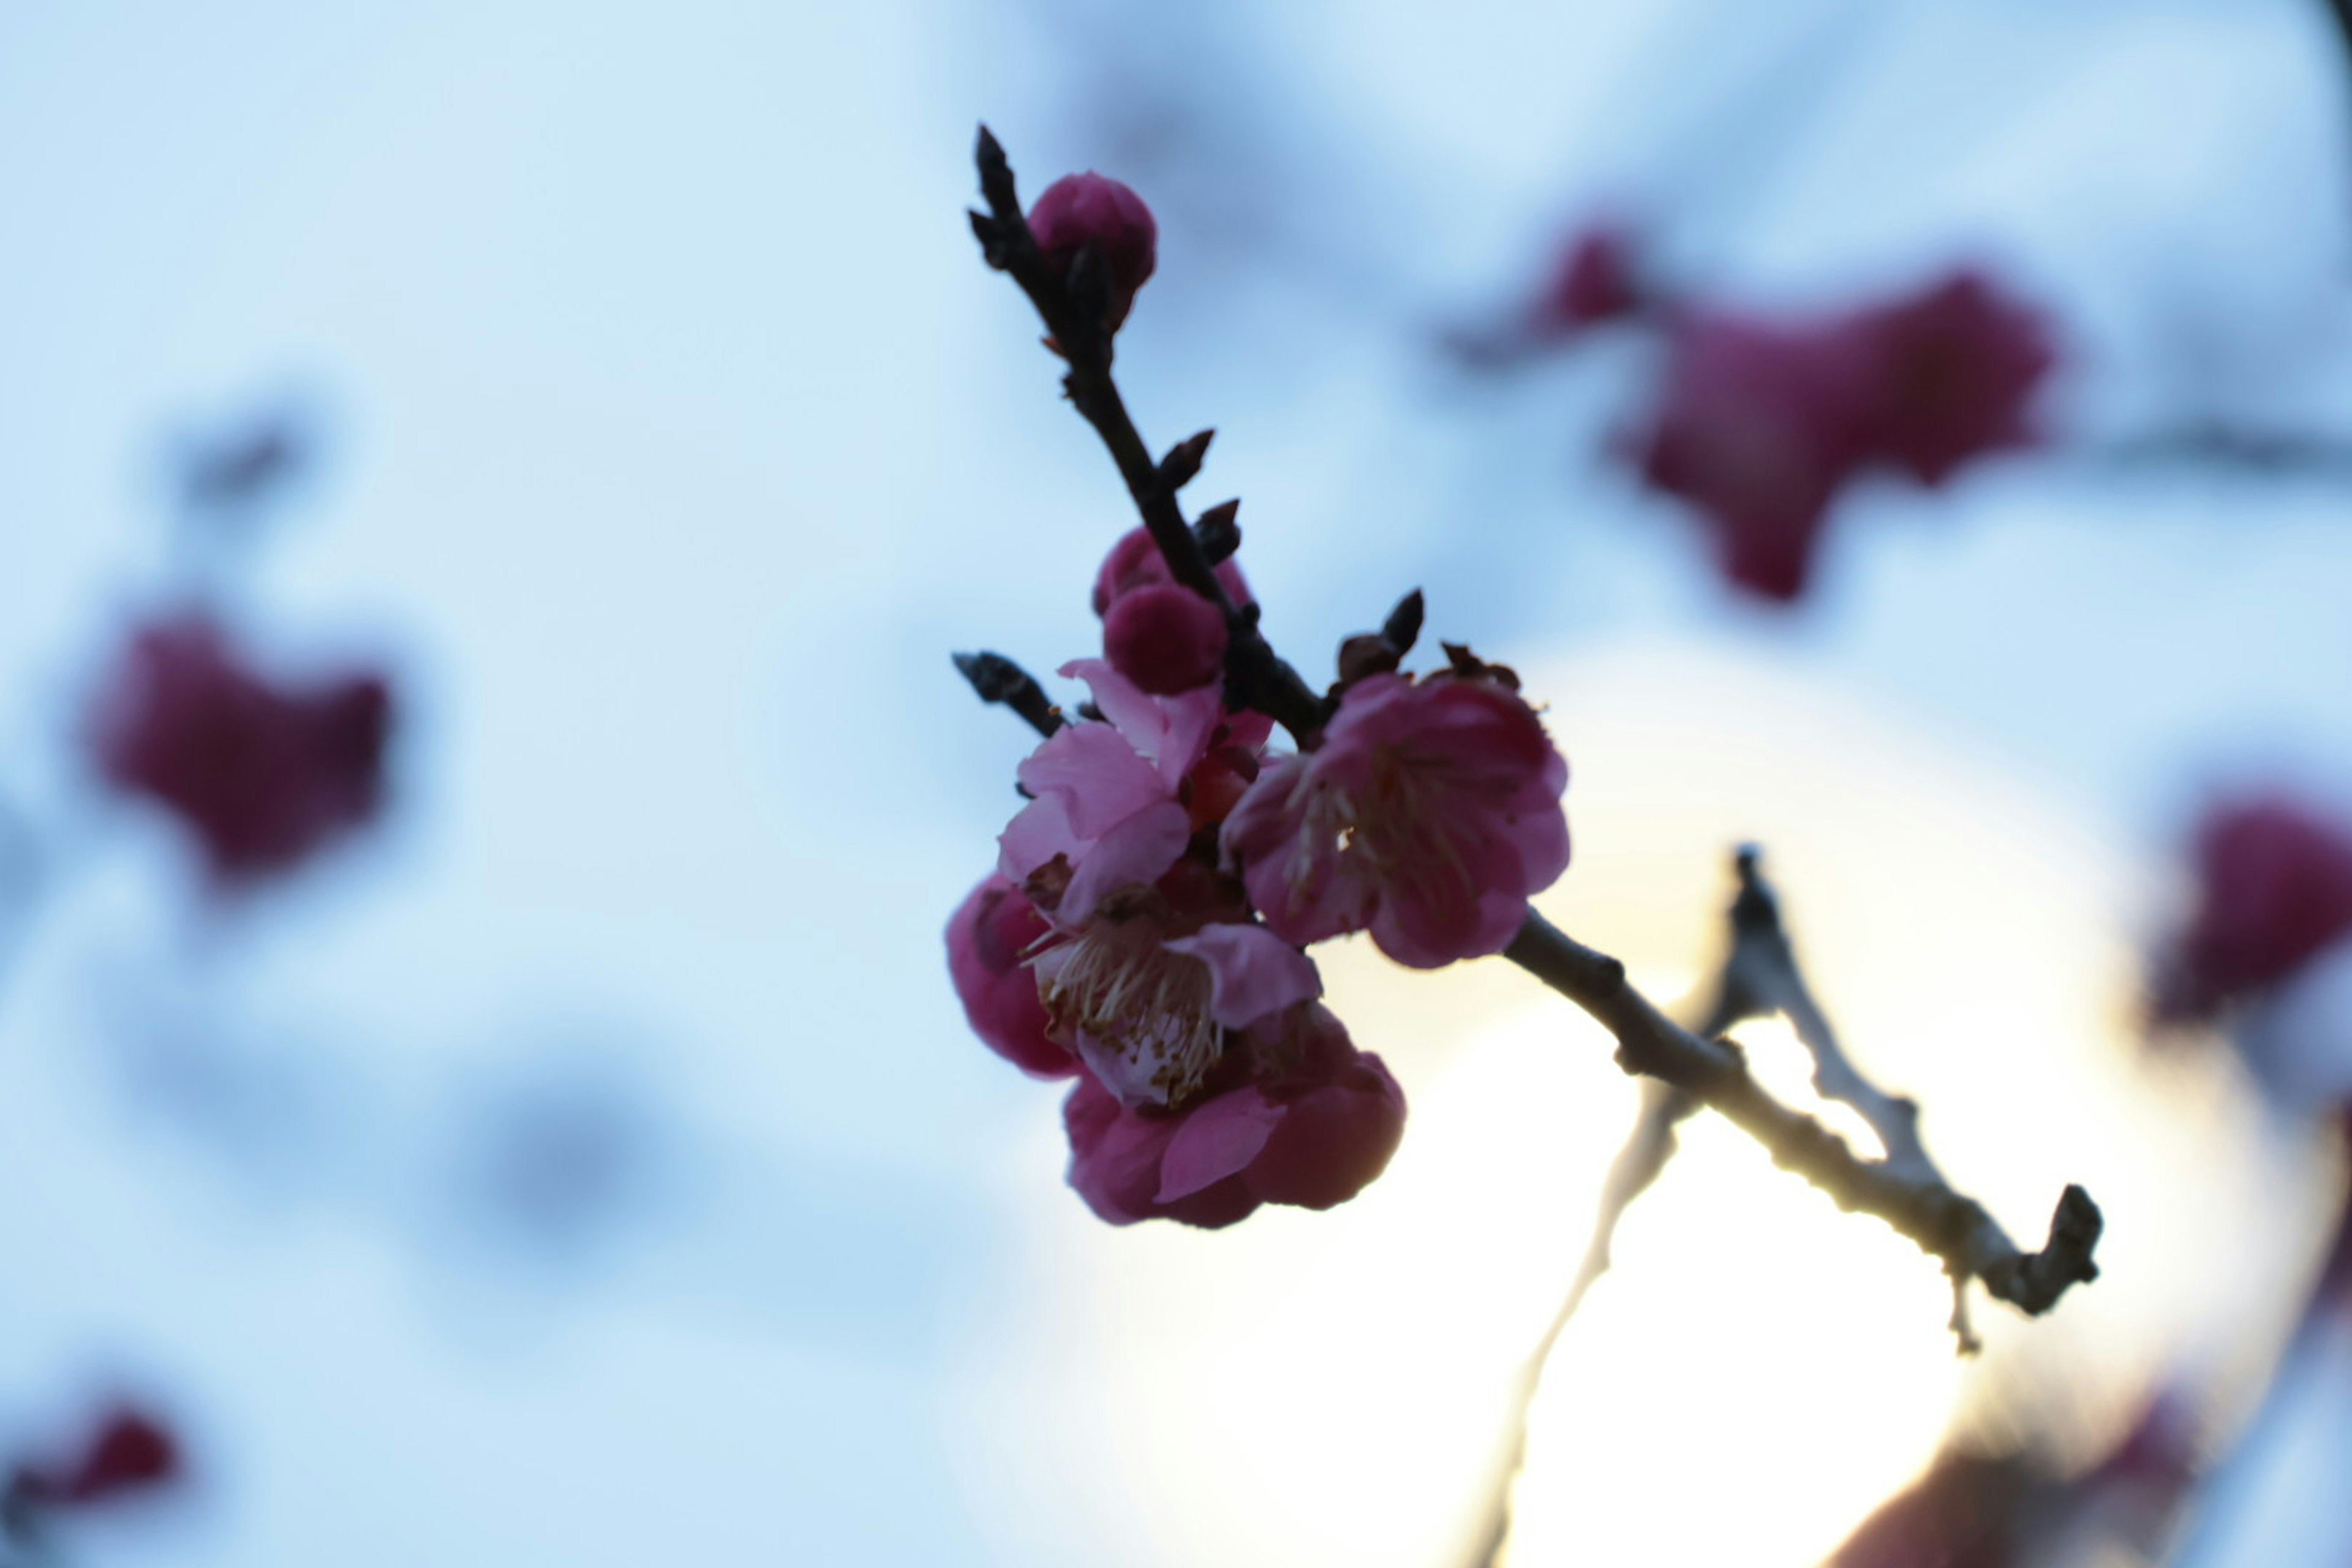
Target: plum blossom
[
  {"x": 1298, "y": 1116},
  {"x": 1759, "y": 426},
  {"x": 264, "y": 775},
  {"x": 1428, "y": 815},
  {"x": 1110, "y": 796},
  {"x": 1080, "y": 209},
  {"x": 1955, "y": 368},
  {"x": 989, "y": 939},
  {"x": 2274, "y": 890},
  {"x": 1597, "y": 281},
  {"x": 129, "y": 1452}
]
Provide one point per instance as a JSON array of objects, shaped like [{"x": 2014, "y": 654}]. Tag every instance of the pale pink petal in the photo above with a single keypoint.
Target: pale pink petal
[
  {"x": 1037, "y": 832},
  {"x": 1170, "y": 733},
  {"x": 1252, "y": 972},
  {"x": 1095, "y": 773},
  {"x": 1217, "y": 1139},
  {"x": 1125, "y": 1072},
  {"x": 1136, "y": 850}
]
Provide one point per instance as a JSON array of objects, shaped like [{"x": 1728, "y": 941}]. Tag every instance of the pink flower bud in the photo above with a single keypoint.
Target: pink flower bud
[
  {"x": 2274, "y": 890},
  {"x": 1165, "y": 638},
  {"x": 263, "y": 775},
  {"x": 131, "y": 1452},
  {"x": 989, "y": 941},
  {"x": 1596, "y": 282},
  {"x": 1135, "y": 562},
  {"x": 1079, "y": 209}
]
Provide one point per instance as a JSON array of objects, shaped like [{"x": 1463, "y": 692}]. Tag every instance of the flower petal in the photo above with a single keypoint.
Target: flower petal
[
  {"x": 1214, "y": 1139},
  {"x": 1252, "y": 972},
  {"x": 1136, "y": 850}
]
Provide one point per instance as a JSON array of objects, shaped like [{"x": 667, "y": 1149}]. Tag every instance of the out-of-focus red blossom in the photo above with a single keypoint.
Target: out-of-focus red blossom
[
  {"x": 1759, "y": 425},
  {"x": 1428, "y": 816},
  {"x": 129, "y": 1452},
  {"x": 1597, "y": 282},
  {"x": 2274, "y": 890},
  {"x": 1963, "y": 1513},
  {"x": 1299, "y": 1117},
  {"x": 264, "y": 775},
  {"x": 1135, "y": 563},
  {"x": 1955, "y": 367},
  {"x": 1165, "y": 638},
  {"x": 1080, "y": 209},
  {"x": 989, "y": 937}
]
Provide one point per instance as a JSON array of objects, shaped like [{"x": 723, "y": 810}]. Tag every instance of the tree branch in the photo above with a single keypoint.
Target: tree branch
[{"x": 1072, "y": 308}]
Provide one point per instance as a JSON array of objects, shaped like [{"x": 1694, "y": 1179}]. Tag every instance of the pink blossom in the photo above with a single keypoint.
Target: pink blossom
[
  {"x": 1596, "y": 282},
  {"x": 1955, "y": 367},
  {"x": 1080, "y": 209},
  {"x": 1165, "y": 638},
  {"x": 1759, "y": 426},
  {"x": 264, "y": 775},
  {"x": 990, "y": 938},
  {"x": 129, "y": 1452},
  {"x": 1428, "y": 816},
  {"x": 2274, "y": 890},
  {"x": 1135, "y": 563},
  {"x": 1301, "y": 1117},
  {"x": 1109, "y": 796},
  {"x": 1148, "y": 994}
]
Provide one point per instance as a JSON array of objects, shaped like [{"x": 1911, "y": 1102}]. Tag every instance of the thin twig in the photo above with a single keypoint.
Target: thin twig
[{"x": 996, "y": 679}]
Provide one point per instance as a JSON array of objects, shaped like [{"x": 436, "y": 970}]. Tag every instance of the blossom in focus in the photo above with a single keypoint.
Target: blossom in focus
[
  {"x": 1759, "y": 426},
  {"x": 1304, "y": 1118},
  {"x": 2274, "y": 890},
  {"x": 989, "y": 939},
  {"x": 1428, "y": 816},
  {"x": 1165, "y": 638},
  {"x": 263, "y": 774},
  {"x": 1955, "y": 368},
  {"x": 129, "y": 1452},
  {"x": 1135, "y": 563},
  {"x": 1108, "y": 797},
  {"x": 1597, "y": 282},
  {"x": 1079, "y": 209}
]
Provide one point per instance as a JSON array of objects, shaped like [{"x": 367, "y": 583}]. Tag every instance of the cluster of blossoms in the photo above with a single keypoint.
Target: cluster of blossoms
[
  {"x": 1144, "y": 930},
  {"x": 261, "y": 774},
  {"x": 1759, "y": 424}
]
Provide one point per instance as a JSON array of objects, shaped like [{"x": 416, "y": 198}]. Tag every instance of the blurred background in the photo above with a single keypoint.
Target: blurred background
[{"x": 582, "y": 1158}]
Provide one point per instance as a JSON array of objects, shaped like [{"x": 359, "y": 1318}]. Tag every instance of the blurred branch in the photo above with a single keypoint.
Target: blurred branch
[
  {"x": 1074, "y": 310},
  {"x": 2218, "y": 444}
]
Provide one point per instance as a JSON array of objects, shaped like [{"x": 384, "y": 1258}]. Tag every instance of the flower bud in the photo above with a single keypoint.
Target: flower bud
[
  {"x": 989, "y": 938},
  {"x": 1167, "y": 639},
  {"x": 1079, "y": 209}
]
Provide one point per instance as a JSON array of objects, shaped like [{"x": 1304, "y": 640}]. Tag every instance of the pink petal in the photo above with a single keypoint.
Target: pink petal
[
  {"x": 1095, "y": 773},
  {"x": 1037, "y": 832},
  {"x": 1252, "y": 972},
  {"x": 1217, "y": 1139},
  {"x": 1136, "y": 850}
]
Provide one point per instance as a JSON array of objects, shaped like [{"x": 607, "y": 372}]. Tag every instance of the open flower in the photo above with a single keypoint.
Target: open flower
[
  {"x": 989, "y": 941},
  {"x": 1303, "y": 1118},
  {"x": 1148, "y": 992},
  {"x": 1428, "y": 816},
  {"x": 263, "y": 774},
  {"x": 2274, "y": 890}
]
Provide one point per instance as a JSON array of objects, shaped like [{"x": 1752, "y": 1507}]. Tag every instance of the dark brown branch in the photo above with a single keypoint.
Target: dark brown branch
[
  {"x": 1941, "y": 1222},
  {"x": 996, "y": 679},
  {"x": 1072, "y": 307}
]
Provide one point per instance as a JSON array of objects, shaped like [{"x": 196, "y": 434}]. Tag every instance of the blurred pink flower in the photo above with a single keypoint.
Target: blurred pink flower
[
  {"x": 1759, "y": 425},
  {"x": 2274, "y": 890},
  {"x": 1078, "y": 210},
  {"x": 1165, "y": 638},
  {"x": 1428, "y": 815},
  {"x": 129, "y": 1452},
  {"x": 1301, "y": 1117},
  {"x": 1597, "y": 281},
  {"x": 264, "y": 775},
  {"x": 1135, "y": 563},
  {"x": 1955, "y": 367},
  {"x": 989, "y": 939}
]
